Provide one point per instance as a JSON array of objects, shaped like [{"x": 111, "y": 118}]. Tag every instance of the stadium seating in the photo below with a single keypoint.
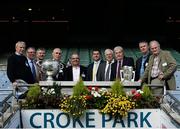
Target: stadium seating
[{"x": 86, "y": 54}]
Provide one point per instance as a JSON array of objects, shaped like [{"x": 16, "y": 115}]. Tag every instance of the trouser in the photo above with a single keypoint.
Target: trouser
[{"x": 157, "y": 91}]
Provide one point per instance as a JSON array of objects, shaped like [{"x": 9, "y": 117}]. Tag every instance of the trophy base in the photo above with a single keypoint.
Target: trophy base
[{"x": 49, "y": 78}]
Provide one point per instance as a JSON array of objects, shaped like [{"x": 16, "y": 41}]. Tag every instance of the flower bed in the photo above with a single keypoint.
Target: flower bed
[{"x": 115, "y": 102}]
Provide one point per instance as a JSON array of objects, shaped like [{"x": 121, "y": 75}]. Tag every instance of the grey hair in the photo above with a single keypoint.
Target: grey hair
[
  {"x": 118, "y": 48},
  {"x": 154, "y": 41},
  {"x": 107, "y": 51},
  {"x": 20, "y": 42}
]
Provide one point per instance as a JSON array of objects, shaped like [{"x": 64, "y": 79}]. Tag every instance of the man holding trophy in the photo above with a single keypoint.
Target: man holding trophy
[
  {"x": 121, "y": 60},
  {"x": 56, "y": 56}
]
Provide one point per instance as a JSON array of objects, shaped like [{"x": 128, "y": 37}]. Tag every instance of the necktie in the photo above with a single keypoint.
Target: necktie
[
  {"x": 94, "y": 71},
  {"x": 107, "y": 72},
  {"x": 118, "y": 69},
  {"x": 142, "y": 67},
  {"x": 33, "y": 70}
]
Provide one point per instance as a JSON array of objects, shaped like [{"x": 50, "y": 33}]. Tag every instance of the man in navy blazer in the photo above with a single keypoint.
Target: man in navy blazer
[
  {"x": 75, "y": 71},
  {"x": 121, "y": 60},
  {"x": 142, "y": 61},
  {"x": 93, "y": 68}
]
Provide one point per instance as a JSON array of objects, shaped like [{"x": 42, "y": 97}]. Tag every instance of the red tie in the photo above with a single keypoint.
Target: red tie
[{"x": 118, "y": 69}]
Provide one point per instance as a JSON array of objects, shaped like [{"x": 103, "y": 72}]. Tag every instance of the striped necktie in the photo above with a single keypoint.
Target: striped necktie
[{"x": 33, "y": 69}]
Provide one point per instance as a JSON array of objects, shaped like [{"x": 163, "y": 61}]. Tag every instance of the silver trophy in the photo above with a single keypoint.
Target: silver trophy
[
  {"x": 51, "y": 68},
  {"x": 127, "y": 73}
]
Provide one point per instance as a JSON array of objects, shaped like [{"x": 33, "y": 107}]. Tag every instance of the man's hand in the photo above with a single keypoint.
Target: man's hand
[
  {"x": 161, "y": 76},
  {"x": 140, "y": 80}
]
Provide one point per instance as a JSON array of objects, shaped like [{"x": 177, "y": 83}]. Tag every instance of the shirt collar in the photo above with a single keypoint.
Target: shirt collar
[{"x": 145, "y": 56}]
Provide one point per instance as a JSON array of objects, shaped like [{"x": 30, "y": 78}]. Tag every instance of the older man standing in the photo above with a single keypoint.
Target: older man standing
[
  {"x": 17, "y": 66},
  {"x": 56, "y": 55},
  {"x": 161, "y": 67},
  {"x": 121, "y": 60},
  {"x": 75, "y": 71}
]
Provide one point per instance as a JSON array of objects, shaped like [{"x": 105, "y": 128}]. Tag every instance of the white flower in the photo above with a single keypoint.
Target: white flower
[
  {"x": 129, "y": 93},
  {"x": 95, "y": 94},
  {"x": 103, "y": 90},
  {"x": 51, "y": 91},
  {"x": 140, "y": 91}
]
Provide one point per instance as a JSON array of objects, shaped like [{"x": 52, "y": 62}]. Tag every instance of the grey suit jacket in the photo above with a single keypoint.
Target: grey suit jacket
[
  {"x": 101, "y": 72},
  {"x": 167, "y": 65}
]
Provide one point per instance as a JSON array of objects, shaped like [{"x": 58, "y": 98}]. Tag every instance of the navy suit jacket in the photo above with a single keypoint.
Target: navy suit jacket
[
  {"x": 90, "y": 71},
  {"x": 138, "y": 66}
]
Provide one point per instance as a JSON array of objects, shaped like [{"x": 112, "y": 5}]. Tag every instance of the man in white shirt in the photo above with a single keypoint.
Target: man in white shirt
[{"x": 75, "y": 71}]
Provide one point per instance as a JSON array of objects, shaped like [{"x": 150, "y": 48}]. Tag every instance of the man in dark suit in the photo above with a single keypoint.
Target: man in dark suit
[
  {"x": 93, "y": 68},
  {"x": 121, "y": 61},
  {"x": 30, "y": 55},
  {"x": 75, "y": 71},
  {"x": 56, "y": 55},
  {"x": 104, "y": 72},
  {"x": 142, "y": 61},
  {"x": 17, "y": 65}
]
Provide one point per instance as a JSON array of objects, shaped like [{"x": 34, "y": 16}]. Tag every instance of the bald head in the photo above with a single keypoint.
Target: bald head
[{"x": 56, "y": 54}]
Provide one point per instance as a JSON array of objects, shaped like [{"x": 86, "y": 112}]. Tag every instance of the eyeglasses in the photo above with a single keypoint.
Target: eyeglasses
[
  {"x": 30, "y": 52},
  {"x": 58, "y": 53}
]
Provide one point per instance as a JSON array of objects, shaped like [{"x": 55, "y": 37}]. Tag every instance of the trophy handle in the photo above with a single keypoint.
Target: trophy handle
[
  {"x": 121, "y": 75},
  {"x": 133, "y": 76}
]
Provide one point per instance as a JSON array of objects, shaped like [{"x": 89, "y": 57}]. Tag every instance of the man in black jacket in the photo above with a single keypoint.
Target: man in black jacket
[
  {"x": 93, "y": 68},
  {"x": 75, "y": 71},
  {"x": 17, "y": 65},
  {"x": 142, "y": 61},
  {"x": 121, "y": 60}
]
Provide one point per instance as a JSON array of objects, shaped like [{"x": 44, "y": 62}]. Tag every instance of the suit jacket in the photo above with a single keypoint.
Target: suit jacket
[
  {"x": 90, "y": 71},
  {"x": 69, "y": 73},
  {"x": 18, "y": 68},
  {"x": 167, "y": 65},
  {"x": 138, "y": 66},
  {"x": 101, "y": 72},
  {"x": 127, "y": 61}
]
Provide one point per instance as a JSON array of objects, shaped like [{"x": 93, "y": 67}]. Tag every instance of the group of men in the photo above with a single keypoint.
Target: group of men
[{"x": 155, "y": 66}]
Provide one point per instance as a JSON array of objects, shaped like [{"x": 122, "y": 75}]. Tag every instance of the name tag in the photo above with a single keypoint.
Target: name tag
[
  {"x": 164, "y": 64},
  {"x": 83, "y": 75},
  {"x": 146, "y": 64}
]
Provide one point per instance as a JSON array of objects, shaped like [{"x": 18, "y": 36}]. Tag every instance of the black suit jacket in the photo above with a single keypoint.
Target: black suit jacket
[
  {"x": 69, "y": 73},
  {"x": 90, "y": 71},
  {"x": 18, "y": 68},
  {"x": 127, "y": 61},
  {"x": 138, "y": 66}
]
